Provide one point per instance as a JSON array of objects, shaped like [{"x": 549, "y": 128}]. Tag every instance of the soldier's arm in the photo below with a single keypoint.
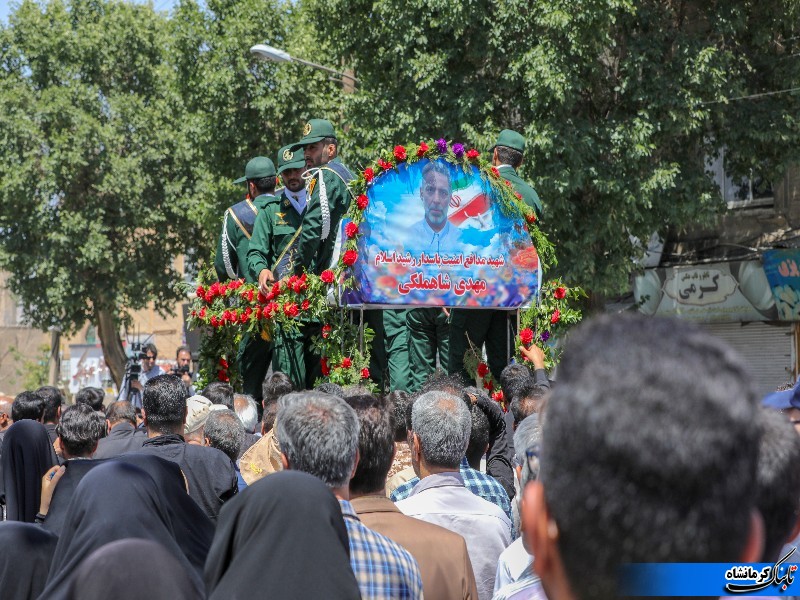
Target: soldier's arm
[
  {"x": 258, "y": 255},
  {"x": 311, "y": 236},
  {"x": 219, "y": 261}
]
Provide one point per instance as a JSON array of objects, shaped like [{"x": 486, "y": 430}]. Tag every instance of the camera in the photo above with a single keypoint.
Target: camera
[{"x": 179, "y": 371}]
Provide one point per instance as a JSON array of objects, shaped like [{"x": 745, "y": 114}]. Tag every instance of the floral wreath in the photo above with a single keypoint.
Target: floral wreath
[{"x": 228, "y": 310}]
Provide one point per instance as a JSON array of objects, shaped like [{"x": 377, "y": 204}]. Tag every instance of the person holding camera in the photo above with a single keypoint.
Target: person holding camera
[
  {"x": 133, "y": 391},
  {"x": 183, "y": 368}
]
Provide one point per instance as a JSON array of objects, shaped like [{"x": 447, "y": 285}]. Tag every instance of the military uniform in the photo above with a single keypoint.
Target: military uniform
[
  {"x": 275, "y": 236},
  {"x": 231, "y": 262},
  {"x": 487, "y": 326},
  {"x": 428, "y": 335},
  {"x": 390, "y": 349}
]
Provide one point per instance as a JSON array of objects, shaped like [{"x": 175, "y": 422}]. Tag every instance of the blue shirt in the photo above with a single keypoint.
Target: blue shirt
[
  {"x": 383, "y": 569},
  {"x": 480, "y": 484}
]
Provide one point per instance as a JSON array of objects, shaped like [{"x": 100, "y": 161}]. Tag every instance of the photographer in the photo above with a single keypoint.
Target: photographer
[
  {"x": 135, "y": 383},
  {"x": 183, "y": 368}
]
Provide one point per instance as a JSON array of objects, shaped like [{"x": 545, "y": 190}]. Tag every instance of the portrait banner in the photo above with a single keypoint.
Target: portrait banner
[{"x": 434, "y": 234}]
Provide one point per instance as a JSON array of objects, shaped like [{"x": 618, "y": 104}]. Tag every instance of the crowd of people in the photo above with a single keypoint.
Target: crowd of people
[{"x": 651, "y": 447}]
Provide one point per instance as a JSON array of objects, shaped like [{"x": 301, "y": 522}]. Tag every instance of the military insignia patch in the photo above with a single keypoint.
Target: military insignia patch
[
  {"x": 285, "y": 204},
  {"x": 288, "y": 155},
  {"x": 307, "y": 129}
]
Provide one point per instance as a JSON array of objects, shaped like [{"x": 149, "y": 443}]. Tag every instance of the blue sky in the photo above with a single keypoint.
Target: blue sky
[{"x": 6, "y": 6}]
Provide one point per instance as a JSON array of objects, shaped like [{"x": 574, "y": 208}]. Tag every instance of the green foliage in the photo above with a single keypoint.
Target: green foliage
[
  {"x": 612, "y": 97},
  {"x": 33, "y": 372}
]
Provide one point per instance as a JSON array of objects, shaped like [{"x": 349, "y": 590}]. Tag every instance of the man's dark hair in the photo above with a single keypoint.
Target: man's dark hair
[
  {"x": 219, "y": 393},
  {"x": 438, "y": 381},
  {"x": 397, "y": 400},
  {"x": 333, "y": 389},
  {"x": 527, "y": 400},
  {"x": 27, "y": 405},
  {"x": 478, "y": 437},
  {"x": 375, "y": 443},
  {"x": 777, "y": 481},
  {"x": 275, "y": 386},
  {"x": 182, "y": 349},
  {"x": 513, "y": 379},
  {"x": 150, "y": 347},
  {"x": 79, "y": 430},
  {"x": 53, "y": 399},
  {"x": 326, "y": 142},
  {"x": 268, "y": 418},
  {"x": 164, "y": 404},
  {"x": 649, "y": 451},
  {"x": 90, "y": 396},
  {"x": 225, "y": 432},
  {"x": 265, "y": 185},
  {"x": 509, "y": 156},
  {"x": 121, "y": 411}
]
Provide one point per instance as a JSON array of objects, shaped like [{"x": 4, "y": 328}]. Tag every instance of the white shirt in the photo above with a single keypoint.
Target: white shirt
[
  {"x": 512, "y": 564},
  {"x": 447, "y": 241}
]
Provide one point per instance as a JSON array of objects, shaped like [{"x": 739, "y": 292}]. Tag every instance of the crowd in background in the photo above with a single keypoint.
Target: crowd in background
[{"x": 651, "y": 447}]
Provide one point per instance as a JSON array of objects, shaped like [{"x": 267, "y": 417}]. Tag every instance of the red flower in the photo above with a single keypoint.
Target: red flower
[
  {"x": 399, "y": 153},
  {"x": 222, "y": 289},
  {"x": 327, "y": 276},
  {"x": 326, "y": 370},
  {"x": 508, "y": 183},
  {"x": 362, "y": 202},
  {"x": 384, "y": 164},
  {"x": 223, "y": 363},
  {"x": 200, "y": 291},
  {"x": 560, "y": 293},
  {"x": 300, "y": 285},
  {"x": 518, "y": 195},
  {"x": 202, "y": 313},
  {"x": 556, "y": 317},
  {"x": 351, "y": 230},
  {"x": 531, "y": 218},
  {"x": 364, "y": 373},
  {"x": 498, "y": 396},
  {"x": 369, "y": 174},
  {"x": 423, "y": 148},
  {"x": 214, "y": 321},
  {"x": 487, "y": 385},
  {"x": 326, "y": 331},
  {"x": 223, "y": 376},
  {"x": 495, "y": 172},
  {"x": 483, "y": 370},
  {"x": 526, "y": 336},
  {"x": 346, "y": 362},
  {"x": 243, "y": 317},
  {"x": 350, "y": 257},
  {"x": 262, "y": 299},
  {"x": 290, "y": 309},
  {"x": 472, "y": 154},
  {"x": 305, "y": 305}
]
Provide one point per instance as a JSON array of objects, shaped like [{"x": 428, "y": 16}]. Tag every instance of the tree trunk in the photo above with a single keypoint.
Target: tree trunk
[
  {"x": 113, "y": 352},
  {"x": 54, "y": 366}
]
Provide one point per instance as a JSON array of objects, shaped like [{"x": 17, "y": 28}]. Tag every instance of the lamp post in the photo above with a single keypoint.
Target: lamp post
[{"x": 266, "y": 52}]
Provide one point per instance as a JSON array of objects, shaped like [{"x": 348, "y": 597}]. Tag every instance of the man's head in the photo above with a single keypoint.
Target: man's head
[
  {"x": 275, "y": 386},
  {"x": 527, "y": 400},
  {"x": 268, "y": 418},
  {"x": 375, "y": 444},
  {"x": 291, "y": 166},
  {"x": 478, "y": 437},
  {"x": 120, "y": 412},
  {"x": 441, "y": 424},
  {"x": 149, "y": 356},
  {"x": 183, "y": 357},
  {"x": 247, "y": 411},
  {"x": 219, "y": 393},
  {"x": 164, "y": 405},
  {"x": 778, "y": 482},
  {"x": 334, "y": 389},
  {"x": 527, "y": 435},
  {"x": 509, "y": 149},
  {"x": 79, "y": 430},
  {"x": 435, "y": 191},
  {"x": 318, "y": 143},
  {"x": 648, "y": 455},
  {"x": 53, "y": 399},
  {"x": 224, "y": 431},
  {"x": 27, "y": 405},
  {"x": 5, "y": 412},
  {"x": 198, "y": 408},
  {"x": 91, "y": 397},
  {"x": 318, "y": 434},
  {"x": 398, "y": 401},
  {"x": 260, "y": 175},
  {"x": 514, "y": 378}
]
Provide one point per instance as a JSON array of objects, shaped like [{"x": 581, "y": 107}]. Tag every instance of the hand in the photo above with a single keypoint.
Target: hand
[
  {"x": 534, "y": 354},
  {"x": 136, "y": 385},
  {"x": 49, "y": 482},
  {"x": 265, "y": 278},
  {"x": 187, "y": 379},
  {"x": 493, "y": 412}
]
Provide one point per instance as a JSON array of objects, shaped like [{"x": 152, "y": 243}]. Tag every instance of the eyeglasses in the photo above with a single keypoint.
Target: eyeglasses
[
  {"x": 532, "y": 456},
  {"x": 149, "y": 357}
]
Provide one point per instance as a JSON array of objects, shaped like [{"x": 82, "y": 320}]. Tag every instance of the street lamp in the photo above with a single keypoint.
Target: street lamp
[{"x": 265, "y": 52}]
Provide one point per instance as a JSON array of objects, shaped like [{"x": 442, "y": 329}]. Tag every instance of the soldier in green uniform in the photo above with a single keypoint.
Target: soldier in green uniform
[
  {"x": 271, "y": 254},
  {"x": 490, "y": 327},
  {"x": 231, "y": 261}
]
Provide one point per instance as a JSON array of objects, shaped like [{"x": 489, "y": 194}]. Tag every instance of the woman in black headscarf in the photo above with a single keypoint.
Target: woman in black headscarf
[
  {"x": 160, "y": 575},
  {"x": 27, "y": 455},
  {"x": 27, "y": 551},
  {"x": 283, "y": 537},
  {"x": 113, "y": 501}
]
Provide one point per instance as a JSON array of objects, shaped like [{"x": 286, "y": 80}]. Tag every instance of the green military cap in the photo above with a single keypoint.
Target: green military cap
[
  {"x": 290, "y": 159},
  {"x": 314, "y": 131},
  {"x": 258, "y": 167},
  {"x": 510, "y": 139}
]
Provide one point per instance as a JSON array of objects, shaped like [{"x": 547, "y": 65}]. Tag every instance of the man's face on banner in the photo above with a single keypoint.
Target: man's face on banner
[{"x": 435, "y": 192}]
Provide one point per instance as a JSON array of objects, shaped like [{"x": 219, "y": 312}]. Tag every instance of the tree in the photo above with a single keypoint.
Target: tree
[
  {"x": 622, "y": 102},
  {"x": 93, "y": 179}
]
